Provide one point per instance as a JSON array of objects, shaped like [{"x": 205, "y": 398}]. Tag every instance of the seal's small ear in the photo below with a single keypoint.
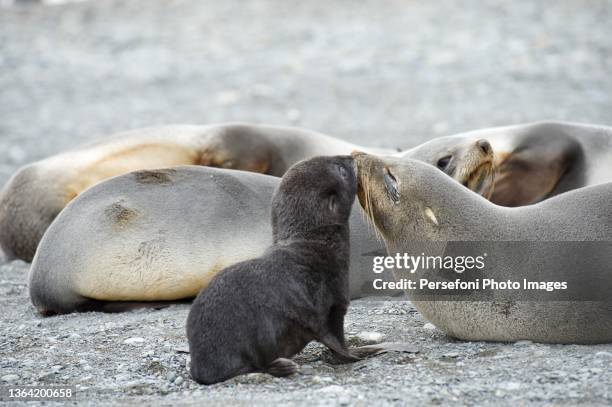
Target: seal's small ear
[
  {"x": 332, "y": 203},
  {"x": 429, "y": 214}
]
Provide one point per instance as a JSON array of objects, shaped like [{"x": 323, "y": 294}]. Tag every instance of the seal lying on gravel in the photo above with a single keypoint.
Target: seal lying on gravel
[
  {"x": 256, "y": 314},
  {"x": 409, "y": 201},
  {"x": 161, "y": 235},
  {"x": 34, "y": 196},
  {"x": 533, "y": 161}
]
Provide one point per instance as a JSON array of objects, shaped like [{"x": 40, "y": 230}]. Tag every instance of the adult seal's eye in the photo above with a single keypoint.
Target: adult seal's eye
[
  {"x": 391, "y": 185},
  {"x": 443, "y": 162}
]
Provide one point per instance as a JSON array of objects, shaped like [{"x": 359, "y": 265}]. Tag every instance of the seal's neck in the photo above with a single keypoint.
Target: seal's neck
[
  {"x": 328, "y": 234},
  {"x": 325, "y": 246},
  {"x": 293, "y": 145},
  {"x": 453, "y": 212}
]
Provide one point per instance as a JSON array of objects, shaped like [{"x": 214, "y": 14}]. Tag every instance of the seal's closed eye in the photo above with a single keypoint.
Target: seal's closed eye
[
  {"x": 391, "y": 185},
  {"x": 443, "y": 162}
]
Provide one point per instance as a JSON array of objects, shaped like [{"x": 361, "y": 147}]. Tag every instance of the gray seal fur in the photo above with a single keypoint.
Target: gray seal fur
[{"x": 427, "y": 206}]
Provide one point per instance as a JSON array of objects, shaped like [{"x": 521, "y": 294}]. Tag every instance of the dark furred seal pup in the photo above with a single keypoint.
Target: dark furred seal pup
[{"x": 256, "y": 314}]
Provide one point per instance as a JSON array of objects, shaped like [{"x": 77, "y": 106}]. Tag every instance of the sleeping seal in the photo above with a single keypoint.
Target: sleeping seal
[
  {"x": 161, "y": 235},
  {"x": 533, "y": 161},
  {"x": 36, "y": 193},
  {"x": 256, "y": 314},
  {"x": 411, "y": 203}
]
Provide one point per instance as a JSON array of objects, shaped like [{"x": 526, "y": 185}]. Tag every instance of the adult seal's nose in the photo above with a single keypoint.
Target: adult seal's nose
[{"x": 484, "y": 145}]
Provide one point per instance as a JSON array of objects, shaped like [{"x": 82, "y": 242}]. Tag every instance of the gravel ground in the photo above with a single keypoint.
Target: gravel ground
[
  {"x": 391, "y": 73},
  {"x": 138, "y": 357}
]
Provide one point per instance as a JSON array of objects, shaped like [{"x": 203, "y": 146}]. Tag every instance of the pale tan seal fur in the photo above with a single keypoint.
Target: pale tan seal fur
[{"x": 34, "y": 196}]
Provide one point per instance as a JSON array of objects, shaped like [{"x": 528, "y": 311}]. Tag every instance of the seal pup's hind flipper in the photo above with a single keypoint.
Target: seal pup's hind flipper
[{"x": 282, "y": 367}]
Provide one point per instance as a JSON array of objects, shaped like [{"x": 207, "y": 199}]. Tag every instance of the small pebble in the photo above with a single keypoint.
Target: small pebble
[
  {"x": 334, "y": 388},
  {"x": 370, "y": 338},
  {"x": 10, "y": 378},
  {"x": 306, "y": 370},
  {"x": 510, "y": 386},
  {"x": 320, "y": 380},
  {"x": 134, "y": 341}
]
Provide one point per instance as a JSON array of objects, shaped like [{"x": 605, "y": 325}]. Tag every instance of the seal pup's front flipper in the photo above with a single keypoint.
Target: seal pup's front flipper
[
  {"x": 341, "y": 353},
  {"x": 334, "y": 337},
  {"x": 385, "y": 347}
]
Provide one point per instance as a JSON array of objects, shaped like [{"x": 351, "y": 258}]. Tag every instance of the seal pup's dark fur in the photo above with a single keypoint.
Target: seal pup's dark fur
[{"x": 256, "y": 314}]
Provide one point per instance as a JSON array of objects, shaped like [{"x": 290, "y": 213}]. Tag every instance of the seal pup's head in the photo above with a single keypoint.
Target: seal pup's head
[
  {"x": 314, "y": 193},
  {"x": 468, "y": 161}
]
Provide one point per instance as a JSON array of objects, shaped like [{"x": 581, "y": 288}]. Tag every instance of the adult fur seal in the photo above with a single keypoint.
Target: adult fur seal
[
  {"x": 409, "y": 202},
  {"x": 256, "y": 314},
  {"x": 533, "y": 161},
  {"x": 161, "y": 235},
  {"x": 36, "y": 193}
]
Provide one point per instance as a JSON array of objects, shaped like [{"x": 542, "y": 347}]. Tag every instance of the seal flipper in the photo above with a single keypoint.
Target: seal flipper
[
  {"x": 531, "y": 172},
  {"x": 282, "y": 367},
  {"x": 334, "y": 337},
  {"x": 385, "y": 347}
]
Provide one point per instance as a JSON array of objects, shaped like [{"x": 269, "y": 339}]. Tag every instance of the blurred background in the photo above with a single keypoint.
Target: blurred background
[{"x": 386, "y": 73}]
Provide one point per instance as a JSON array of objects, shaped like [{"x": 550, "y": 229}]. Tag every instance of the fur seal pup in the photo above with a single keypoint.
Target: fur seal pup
[
  {"x": 36, "y": 193},
  {"x": 534, "y": 161},
  {"x": 410, "y": 202},
  {"x": 255, "y": 315}
]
